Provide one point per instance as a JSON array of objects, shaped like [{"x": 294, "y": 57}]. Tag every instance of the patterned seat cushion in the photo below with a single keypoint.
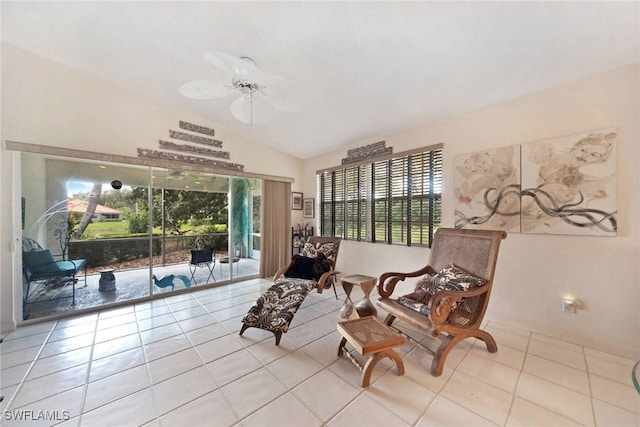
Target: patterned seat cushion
[
  {"x": 275, "y": 308},
  {"x": 450, "y": 278}
]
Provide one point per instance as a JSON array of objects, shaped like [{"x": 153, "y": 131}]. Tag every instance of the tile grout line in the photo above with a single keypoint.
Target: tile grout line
[
  {"x": 31, "y": 365},
  {"x": 520, "y": 371},
  {"x": 88, "y": 374},
  {"x": 586, "y": 365},
  {"x": 146, "y": 364}
]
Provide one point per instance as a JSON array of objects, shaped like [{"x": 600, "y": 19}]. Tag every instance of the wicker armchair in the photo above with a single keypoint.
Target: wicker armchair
[{"x": 446, "y": 305}]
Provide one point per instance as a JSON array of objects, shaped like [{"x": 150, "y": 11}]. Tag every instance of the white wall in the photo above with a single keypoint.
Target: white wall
[
  {"x": 535, "y": 271},
  {"x": 46, "y": 103}
]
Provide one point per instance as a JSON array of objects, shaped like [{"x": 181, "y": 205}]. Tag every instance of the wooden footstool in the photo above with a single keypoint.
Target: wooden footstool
[{"x": 370, "y": 337}]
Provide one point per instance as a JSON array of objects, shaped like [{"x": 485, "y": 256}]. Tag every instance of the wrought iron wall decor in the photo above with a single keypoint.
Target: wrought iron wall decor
[
  {"x": 197, "y": 128},
  {"x": 168, "y": 145},
  {"x": 145, "y": 152},
  {"x": 366, "y": 152},
  {"x": 564, "y": 185},
  {"x": 195, "y": 150},
  {"x": 195, "y": 138}
]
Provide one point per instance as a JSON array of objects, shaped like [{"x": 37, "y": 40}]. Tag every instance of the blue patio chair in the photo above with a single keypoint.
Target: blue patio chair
[{"x": 41, "y": 269}]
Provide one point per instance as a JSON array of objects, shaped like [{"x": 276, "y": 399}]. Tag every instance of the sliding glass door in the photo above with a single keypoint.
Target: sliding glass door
[{"x": 138, "y": 231}]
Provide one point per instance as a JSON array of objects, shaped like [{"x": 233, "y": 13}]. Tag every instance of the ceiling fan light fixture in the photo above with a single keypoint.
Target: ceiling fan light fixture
[
  {"x": 260, "y": 95},
  {"x": 245, "y": 87},
  {"x": 252, "y": 109}
]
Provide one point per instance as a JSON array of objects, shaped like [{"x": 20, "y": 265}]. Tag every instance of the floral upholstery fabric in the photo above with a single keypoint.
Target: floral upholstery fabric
[
  {"x": 450, "y": 278},
  {"x": 414, "y": 305},
  {"x": 274, "y": 310},
  {"x": 312, "y": 249}
]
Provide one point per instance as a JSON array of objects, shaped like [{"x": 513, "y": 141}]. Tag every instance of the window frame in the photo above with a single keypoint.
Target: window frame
[{"x": 377, "y": 200}]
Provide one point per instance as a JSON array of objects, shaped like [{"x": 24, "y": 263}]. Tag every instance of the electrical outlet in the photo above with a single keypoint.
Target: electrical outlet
[{"x": 568, "y": 306}]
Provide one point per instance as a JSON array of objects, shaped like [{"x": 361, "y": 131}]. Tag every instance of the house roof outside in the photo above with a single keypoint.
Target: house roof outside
[{"x": 79, "y": 205}]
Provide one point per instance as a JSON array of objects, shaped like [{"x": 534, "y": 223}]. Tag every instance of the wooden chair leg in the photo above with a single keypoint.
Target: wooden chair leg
[
  {"x": 278, "y": 335},
  {"x": 492, "y": 347},
  {"x": 441, "y": 354},
  {"x": 244, "y": 328},
  {"x": 389, "y": 319}
]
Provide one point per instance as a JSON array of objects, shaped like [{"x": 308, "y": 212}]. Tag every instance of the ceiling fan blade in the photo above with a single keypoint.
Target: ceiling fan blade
[
  {"x": 280, "y": 93},
  {"x": 242, "y": 68},
  {"x": 204, "y": 89},
  {"x": 252, "y": 109}
]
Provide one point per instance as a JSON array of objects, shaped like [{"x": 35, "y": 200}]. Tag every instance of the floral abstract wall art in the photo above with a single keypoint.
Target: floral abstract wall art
[
  {"x": 569, "y": 185},
  {"x": 488, "y": 189},
  {"x": 564, "y": 185}
]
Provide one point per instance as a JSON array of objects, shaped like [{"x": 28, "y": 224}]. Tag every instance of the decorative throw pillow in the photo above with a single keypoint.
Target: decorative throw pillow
[
  {"x": 301, "y": 267},
  {"x": 420, "y": 295},
  {"x": 321, "y": 265},
  {"x": 313, "y": 249},
  {"x": 452, "y": 278},
  {"x": 310, "y": 268}
]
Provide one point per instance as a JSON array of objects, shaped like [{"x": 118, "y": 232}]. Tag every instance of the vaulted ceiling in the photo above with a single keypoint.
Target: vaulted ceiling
[{"x": 363, "y": 69}]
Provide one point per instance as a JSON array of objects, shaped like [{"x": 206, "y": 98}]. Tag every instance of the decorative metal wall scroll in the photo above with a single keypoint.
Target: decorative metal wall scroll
[
  {"x": 195, "y": 150},
  {"x": 366, "y": 152},
  {"x": 195, "y": 138},
  {"x": 563, "y": 185},
  {"x": 197, "y": 128},
  {"x": 145, "y": 152},
  {"x": 168, "y": 145}
]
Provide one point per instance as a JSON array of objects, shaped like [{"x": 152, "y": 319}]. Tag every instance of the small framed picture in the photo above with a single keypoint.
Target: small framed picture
[
  {"x": 309, "y": 206},
  {"x": 296, "y": 201}
]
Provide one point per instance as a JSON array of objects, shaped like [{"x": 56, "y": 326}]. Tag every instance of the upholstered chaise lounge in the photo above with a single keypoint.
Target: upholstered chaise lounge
[{"x": 315, "y": 268}]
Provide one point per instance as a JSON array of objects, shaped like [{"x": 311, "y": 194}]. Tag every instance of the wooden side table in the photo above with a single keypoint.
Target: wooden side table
[
  {"x": 370, "y": 337},
  {"x": 364, "y": 307}
]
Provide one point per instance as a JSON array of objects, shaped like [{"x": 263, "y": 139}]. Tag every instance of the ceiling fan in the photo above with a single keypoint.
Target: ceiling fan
[{"x": 259, "y": 95}]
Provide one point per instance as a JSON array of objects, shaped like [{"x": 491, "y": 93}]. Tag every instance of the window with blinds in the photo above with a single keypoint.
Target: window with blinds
[{"x": 392, "y": 200}]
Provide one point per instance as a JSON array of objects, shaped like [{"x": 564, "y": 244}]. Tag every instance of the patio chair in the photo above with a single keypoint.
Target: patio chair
[
  {"x": 202, "y": 258},
  {"x": 450, "y": 299},
  {"x": 41, "y": 269},
  {"x": 275, "y": 308}
]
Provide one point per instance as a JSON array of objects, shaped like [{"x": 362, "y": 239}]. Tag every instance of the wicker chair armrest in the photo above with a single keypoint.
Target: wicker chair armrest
[
  {"x": 326, "y": 278},
  {"x": 443, "y": 302},
  {"x": 387, "y": 281},
  {"x": 280, "y": 272}
]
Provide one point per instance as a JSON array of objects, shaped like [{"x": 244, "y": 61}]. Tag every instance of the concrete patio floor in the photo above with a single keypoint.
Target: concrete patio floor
[{"x": 131, "y": 285}]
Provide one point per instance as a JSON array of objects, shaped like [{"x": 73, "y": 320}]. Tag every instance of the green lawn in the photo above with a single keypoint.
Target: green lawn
[
  {"x": 114, "y": 229},
  {"x": 107, "y": 229}
]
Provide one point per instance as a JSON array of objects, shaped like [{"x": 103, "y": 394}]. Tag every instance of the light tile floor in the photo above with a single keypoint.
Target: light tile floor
[{"x": 180, "y": 361}]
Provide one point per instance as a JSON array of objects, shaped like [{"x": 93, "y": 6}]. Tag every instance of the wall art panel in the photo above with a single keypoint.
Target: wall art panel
[
  {"x": 569, "y": 185},
  {"x": 487, "y": 186},
  {"x": 564, "y": 185}
]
